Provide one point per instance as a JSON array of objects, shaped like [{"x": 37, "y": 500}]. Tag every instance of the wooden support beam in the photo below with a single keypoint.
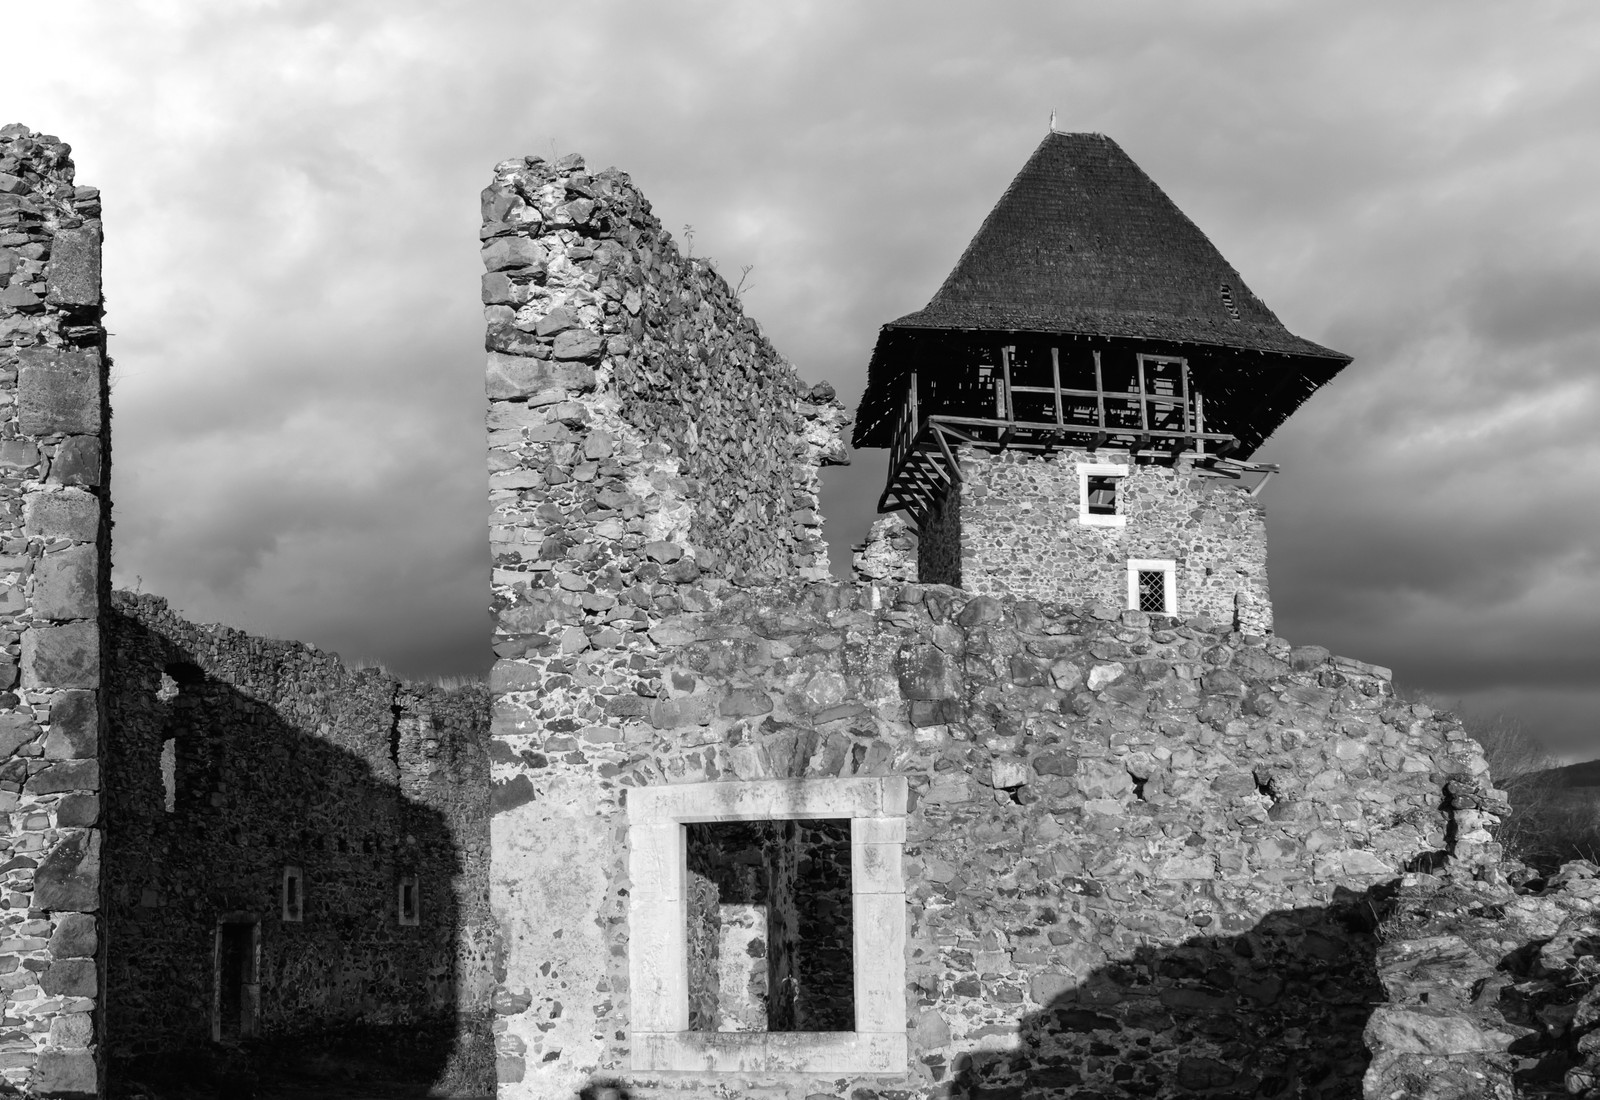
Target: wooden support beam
[
  {"x": 1009, "y": 412},
  {"x": 1055, "y": 374},
  {"x": 1144, "y": 411},
  {"x": 1184, "y": 367},
  {"x": 944, "y": 448},
  {"x": 1099, "y": 391}
]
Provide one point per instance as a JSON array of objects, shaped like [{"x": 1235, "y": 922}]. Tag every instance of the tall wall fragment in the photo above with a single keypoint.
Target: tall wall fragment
[
  {"x": 54, "y": 575},
  {"x": 647, "y": 446}
]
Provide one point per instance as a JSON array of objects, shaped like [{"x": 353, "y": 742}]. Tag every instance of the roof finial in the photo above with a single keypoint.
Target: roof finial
[{"x": 1052, "y": 120}]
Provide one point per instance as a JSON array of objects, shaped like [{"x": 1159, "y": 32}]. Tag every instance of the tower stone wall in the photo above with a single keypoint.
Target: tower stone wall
[
  {"x": 54, "y": 586},
  {"x": 1013, "y": 526}
]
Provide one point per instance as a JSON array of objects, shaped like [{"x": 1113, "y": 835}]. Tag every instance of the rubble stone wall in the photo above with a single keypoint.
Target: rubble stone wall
[
  {"x": 1014, "y": 527},
  {"x": 237, "y": 757},
  {"x": 889, "y": 552},
  {"x": 54, "y": 577},
  {"x": 586, "y": 296},
  {"x": 1137, "y": 855},
  {"x": 1140, "y": 850}
]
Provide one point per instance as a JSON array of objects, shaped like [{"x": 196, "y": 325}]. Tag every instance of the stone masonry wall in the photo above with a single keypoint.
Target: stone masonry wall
[
  {"x": 54, "y": 507},
  {"x": 642, "y": 435},
  {"x": 889, "y": 552},
  {"x": 1139, "y": 853},
  {"x": 1016, "y": 521},
  {"x": 239, "y": 756},
  {"x": 1143, "y": 855},
  {"x": 584, "y": 292}
]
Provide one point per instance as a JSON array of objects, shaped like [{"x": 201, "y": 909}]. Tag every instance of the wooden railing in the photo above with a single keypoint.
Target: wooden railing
[{"x": 922, "y": 467}]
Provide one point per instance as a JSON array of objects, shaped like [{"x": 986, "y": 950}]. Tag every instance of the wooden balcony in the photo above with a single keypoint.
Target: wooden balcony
[{"x": 1156, "y": 419}]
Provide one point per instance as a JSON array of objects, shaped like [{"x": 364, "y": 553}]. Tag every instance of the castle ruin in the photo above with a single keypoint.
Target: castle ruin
[{"x": 1035, "y": 805}]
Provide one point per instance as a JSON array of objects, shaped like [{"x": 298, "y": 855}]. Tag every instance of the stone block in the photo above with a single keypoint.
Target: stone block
[
  {"x": 577, "y": 344},
  {"x": 66, "y": 1073},
  {"x": 66, "y": 583},
  {"x": 513, "y": 376},
  {"x": 65, "y": 775},
  {"x": 77, "y": 462},
  {"x": 68, "y": 880},
  {"x": 73, "y": 273},
  {"x": 59, "y": 391},
  {"x": 17, "y": 728},
  {"x": 66, "y": 656},
  {"x": 74, "y": 726},
  {"x": 19, "y": 454},
  {"x": 75, "y": 937},
  {"x": 75, "y": 1029},
  {"x": 78, "y": 811},
  {"x": 70, "y": 978},
  {"x": 513, "y": 254},
  {"x": 68, "y": 514}
]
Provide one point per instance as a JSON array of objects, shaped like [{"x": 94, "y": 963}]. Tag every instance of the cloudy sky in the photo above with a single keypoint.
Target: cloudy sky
[{"x": 290, "y": 199}]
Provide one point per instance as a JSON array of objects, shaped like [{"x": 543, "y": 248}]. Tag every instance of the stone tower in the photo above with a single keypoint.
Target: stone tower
[{"x": 1072, "y": 416}]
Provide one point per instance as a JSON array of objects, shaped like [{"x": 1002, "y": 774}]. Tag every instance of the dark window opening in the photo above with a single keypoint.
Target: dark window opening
[
  {"x": 1152, "y": 590},
  {"x": 294, "y": 899},
  {"x": 771, "y": 940},
  {"x": 1102, "y": 495},
  {"x": 408, "y": 900}
]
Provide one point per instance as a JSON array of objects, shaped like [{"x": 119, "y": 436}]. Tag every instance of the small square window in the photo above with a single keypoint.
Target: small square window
[
  {"x": 1102, "y": 495},
  {"x": 1152, "y": 586},
  {"x": 293, "y": 895},
  {"x": 1152, "y": 590},
  {"x": 1100, "y": 502}
]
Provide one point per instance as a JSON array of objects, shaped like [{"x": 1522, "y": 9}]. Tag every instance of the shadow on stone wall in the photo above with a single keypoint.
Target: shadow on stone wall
[
  {"x": 195, "y": 879},
  {"x": 1275, "y": 1011}
]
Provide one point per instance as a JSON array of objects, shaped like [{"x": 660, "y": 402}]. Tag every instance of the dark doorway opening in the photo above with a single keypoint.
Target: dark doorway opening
[
  {"x": 770, "y": 927},
  {"x": 238, "y": 992}
]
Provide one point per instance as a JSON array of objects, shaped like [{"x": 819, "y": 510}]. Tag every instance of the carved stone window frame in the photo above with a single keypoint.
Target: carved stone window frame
[
  {"x": 1086, "y": 470},
  {"x": 658, "y": 957}
]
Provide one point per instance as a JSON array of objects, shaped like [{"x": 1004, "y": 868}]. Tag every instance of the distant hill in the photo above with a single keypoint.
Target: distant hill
[{"x": 1586, "y": 774}]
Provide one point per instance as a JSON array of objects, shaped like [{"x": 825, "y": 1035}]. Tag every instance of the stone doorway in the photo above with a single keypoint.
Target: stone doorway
[{"x": 237, "y": 961}]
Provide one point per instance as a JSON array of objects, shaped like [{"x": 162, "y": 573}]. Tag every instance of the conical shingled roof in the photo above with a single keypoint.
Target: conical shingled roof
[{"x": 1084, "y": 243}]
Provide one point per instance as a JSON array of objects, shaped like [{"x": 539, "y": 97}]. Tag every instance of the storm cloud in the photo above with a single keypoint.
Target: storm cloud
[{"x": 290, "y": 195}]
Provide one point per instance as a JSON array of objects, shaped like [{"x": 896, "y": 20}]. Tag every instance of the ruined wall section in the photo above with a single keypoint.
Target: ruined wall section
[
  {"x": 889, "y": 553},
  {"x": 54, "y": 570},
  {"x": 1138, "y": 854},
  {"x": 1016, "y": 520},
  {"x": 647, "y": 448},
  {"x": 584, "y": 291},
  {"x": 238, "y": 757}
]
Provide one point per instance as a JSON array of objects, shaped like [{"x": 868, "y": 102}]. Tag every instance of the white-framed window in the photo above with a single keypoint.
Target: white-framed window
[
  {"x": 293, "y": 895},
  {"x": 1153, "y": 585},
  {"x": 408, "y": 902},
  {"x": 1100, "y": 494},
  {"x": 658, "y": 926}
]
